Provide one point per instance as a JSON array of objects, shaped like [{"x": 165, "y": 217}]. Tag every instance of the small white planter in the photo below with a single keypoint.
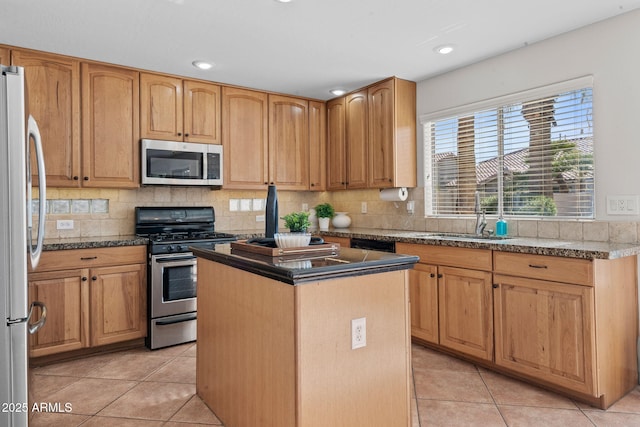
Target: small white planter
[{"x": 323, "y": 223}]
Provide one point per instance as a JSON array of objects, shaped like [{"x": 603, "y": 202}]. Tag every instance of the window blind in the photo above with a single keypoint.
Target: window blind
[{"x": 526, "y": 158}]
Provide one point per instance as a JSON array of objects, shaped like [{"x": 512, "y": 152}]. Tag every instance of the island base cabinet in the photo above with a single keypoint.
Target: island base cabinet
[
  {"x": 287, "y": 349},
  {"x": 546, "y": 329}
]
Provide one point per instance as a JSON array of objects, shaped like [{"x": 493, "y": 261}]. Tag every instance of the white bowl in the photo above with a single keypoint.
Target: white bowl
[{"x": 292, "y": 240}]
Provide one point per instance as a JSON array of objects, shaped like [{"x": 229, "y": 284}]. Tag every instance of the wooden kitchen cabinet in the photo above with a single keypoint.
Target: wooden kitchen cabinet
[
  {"x": 265, "y": 139},
  {"x": 336, "y": 148},
  {"x": 371, "y": 137},
  {"x": 391, "y": 107},
  {"x": 570, "y": 324},
  {"x": 245, "y": 122},
  {"x": 118, "y": 308},
  {"x": 356, "y": 139},
  {"x": 423, "y": 294},
  {"x": 462, "y": 317},
  {"x": 110, "y": 127},
  {"x": 53, "y": 97},
  {"x": 183, "y": 110},
  {"x": 93, "y": 297},
  {"x": 288, "y": 142},
  {"x": 317, "y": 146},
  {"x": 5, "y": 56},
  {"x": 65, "y": 293}
]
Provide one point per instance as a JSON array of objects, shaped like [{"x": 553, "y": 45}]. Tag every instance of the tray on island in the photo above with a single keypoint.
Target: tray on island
[{"x": 324, "y": 248}]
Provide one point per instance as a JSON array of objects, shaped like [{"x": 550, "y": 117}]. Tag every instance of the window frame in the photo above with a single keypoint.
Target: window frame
[{"x": 496, "y": 103}]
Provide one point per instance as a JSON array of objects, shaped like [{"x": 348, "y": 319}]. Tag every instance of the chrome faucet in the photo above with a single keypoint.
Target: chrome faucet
[{"x": 481, "y": 221}]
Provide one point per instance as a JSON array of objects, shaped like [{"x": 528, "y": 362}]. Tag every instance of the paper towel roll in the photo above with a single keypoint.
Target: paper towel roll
[{"x": 394, "y": 194}]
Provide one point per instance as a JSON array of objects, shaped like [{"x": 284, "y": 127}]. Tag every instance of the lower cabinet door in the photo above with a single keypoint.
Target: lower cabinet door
[
  {"x": 466, "y": 311},
  {"x": 423, "y": 294},
  {"x": 547, "y": 330},
  {"x": 118, "y": 304},
  {"x": 65, "y": 293}
]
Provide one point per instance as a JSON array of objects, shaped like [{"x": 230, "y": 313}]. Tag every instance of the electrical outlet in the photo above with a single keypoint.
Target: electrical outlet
[
  {"x": 622, "y": 205},
  {"x": 305, "y": 207},
  {"x": 259, "y": 218},
  {"x": 64, "y": 224},
  {"x": 358, "y": 333},
  {"x": 363, "y": 207}
]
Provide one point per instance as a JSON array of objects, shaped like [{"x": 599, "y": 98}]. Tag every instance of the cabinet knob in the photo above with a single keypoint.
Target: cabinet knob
[
  {"x": 94, "y": 278},
  {"x": 496, "y": 286},
  {"x": 432, "y": 275},
  {"x": 86, "y": 178},
  {"x": 179, "y": 133},
  {"x": 75, "y": 177},
  {"x": 312, "y": 184},
  {"x": 439, "y": 275},
  {"x": 84, "y": 279},
  {"x": 186, "y": 134}
]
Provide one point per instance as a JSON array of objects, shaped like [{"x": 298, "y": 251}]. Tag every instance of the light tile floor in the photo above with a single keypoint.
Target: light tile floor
[{"x": 143, "y": 388}]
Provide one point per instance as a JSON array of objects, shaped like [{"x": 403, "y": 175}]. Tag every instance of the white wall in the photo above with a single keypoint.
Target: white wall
[{"x": 609, "y": 51}]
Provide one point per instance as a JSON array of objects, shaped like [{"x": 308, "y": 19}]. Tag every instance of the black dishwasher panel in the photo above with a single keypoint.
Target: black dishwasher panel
[{"x": 373, "y": 245}]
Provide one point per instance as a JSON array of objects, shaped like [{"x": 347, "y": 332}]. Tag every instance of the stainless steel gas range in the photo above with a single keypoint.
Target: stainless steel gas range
[{"x": 172, "y": 270}]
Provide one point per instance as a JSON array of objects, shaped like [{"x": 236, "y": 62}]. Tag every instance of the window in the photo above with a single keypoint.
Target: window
[{"x": 528, "y": 155}]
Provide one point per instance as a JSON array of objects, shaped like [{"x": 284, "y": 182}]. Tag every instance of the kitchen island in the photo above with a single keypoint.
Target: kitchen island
[{"x": 275, "y": 338}]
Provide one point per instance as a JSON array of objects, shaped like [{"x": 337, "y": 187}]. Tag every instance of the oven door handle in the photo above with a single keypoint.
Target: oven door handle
[
  {"x": 167, "y": 260},
  {"x": 174, "y": 321}
]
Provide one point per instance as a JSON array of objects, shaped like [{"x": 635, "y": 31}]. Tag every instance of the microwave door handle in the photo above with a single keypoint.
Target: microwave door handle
[{"x": 34, "y": 132}]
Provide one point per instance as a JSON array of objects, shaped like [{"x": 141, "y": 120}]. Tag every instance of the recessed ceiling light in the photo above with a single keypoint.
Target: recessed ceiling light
[
  {"x": 283, "y": 1},
  {"x": 444, "y": 49},
  {"x": 338, "y": 92},
  {"x": 203, "y": 65}
]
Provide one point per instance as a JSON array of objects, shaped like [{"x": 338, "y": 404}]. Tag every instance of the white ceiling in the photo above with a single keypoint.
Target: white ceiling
[{"x": 305, "y": 47}]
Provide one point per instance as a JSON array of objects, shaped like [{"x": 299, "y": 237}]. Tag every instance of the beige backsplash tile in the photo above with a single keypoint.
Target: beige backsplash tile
[{"x": 380, "y": 214}]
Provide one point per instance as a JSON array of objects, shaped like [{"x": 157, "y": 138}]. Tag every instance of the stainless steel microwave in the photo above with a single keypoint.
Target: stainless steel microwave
[{"x": 181, "y": 163}]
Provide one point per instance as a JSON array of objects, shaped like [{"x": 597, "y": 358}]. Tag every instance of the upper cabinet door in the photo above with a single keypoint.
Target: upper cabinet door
[
  {"x": 5, "y": 56},
  {"x": 245, "y": 123},
  {"x": 53, "y": 99},
  {"x": 356, "y": 139},
  {"x": 110, "y": 127},
  {"x": 381, "y": 135},
  {"x": 161, "y": 101},
  {"x": 202, "y": 112},
  {"x": 336, "y": 161},
  {"x": 288, "y": 142},
  {"x": 317, "y": 146}
]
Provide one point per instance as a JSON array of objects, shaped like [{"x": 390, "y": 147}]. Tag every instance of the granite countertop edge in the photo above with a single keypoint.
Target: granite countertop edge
[
  {"x": 57, "y": 244},
  {"x": 525, "y": 245}
]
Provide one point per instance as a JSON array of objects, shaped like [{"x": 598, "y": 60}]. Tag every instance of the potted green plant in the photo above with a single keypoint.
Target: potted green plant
[
  {"x": 324, "y": 212},
  {"x": 297, "y": 222}
]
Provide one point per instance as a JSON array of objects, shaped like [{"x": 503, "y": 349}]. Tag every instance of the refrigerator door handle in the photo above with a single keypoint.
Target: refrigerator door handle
[
  {"x": 32, "y": 327},
  {"x": 34, "y": 132}
]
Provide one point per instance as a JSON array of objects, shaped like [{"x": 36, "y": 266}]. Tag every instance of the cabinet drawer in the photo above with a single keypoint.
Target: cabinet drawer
[
  {"x": 476, "y": 259},
  {"x": 88, "y": 258},
  {"x": 557, "y": 269}
]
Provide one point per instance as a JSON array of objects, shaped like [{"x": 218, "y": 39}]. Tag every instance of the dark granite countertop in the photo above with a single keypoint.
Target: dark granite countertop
[
  {"x": 299, "y": 269},
  {"x": 525, "y": 245},
  {"x": 92, "y": 242}
]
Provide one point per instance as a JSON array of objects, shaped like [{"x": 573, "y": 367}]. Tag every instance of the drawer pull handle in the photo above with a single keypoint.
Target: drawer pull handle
[
  {"x": 432, "y": 275},
  {"x": 88, "y": 258},
  {"x": 537, "y": 266}
]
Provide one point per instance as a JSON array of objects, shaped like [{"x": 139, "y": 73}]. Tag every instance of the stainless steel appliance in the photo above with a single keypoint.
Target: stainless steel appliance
[
  {"x": 16, "y": 132},
  {"x": 172, "y": 272},
  {"x": 181, "y": 163}
]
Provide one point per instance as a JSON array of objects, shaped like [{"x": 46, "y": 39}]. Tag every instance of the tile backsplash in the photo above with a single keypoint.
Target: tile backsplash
[{"x": 106, "y": 212}]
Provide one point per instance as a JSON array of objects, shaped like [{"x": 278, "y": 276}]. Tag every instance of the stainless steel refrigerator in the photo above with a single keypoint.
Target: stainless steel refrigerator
[{"x": 17, "y": 135}]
